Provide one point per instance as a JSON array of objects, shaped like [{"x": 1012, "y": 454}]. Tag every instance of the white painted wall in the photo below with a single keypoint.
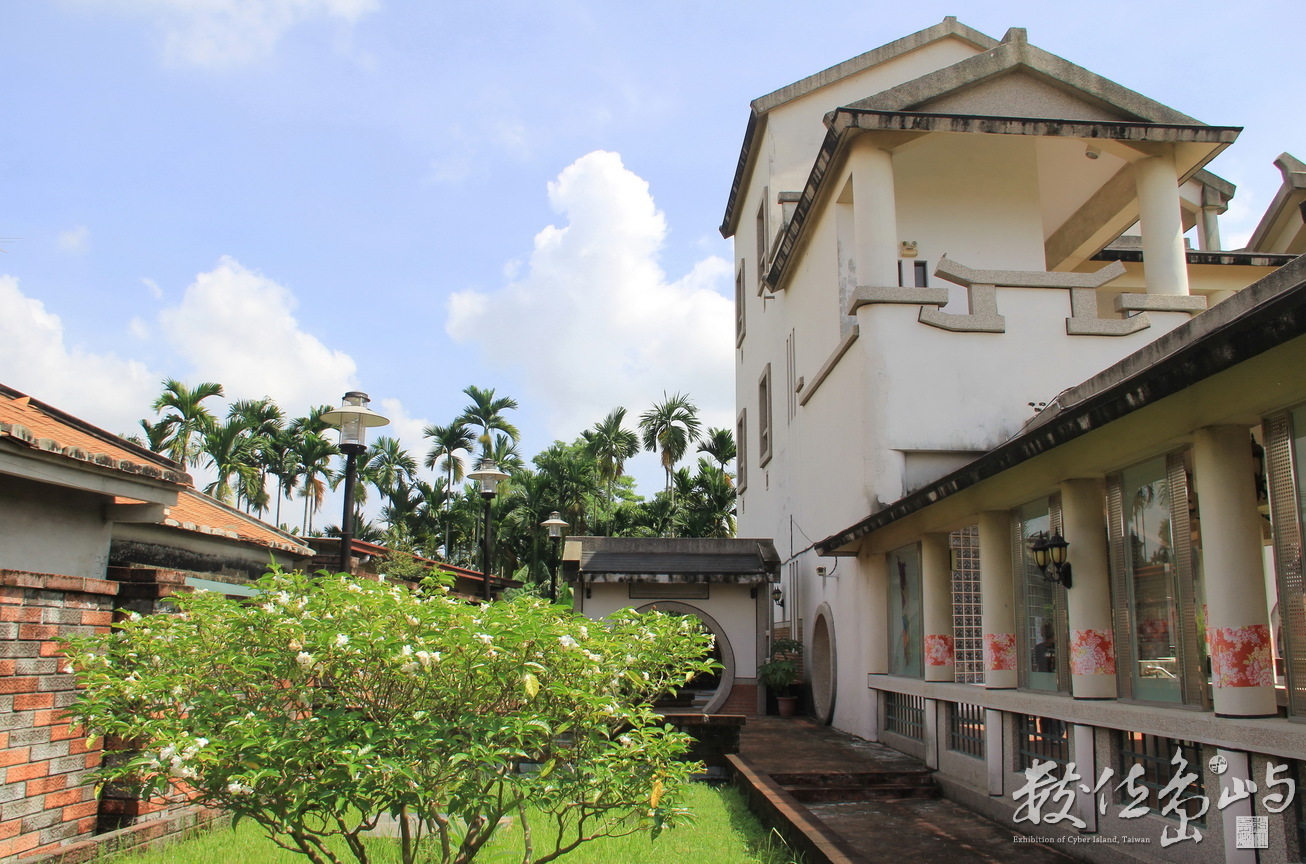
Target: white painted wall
[
  {"x": 986, "y": 201},
  {"x": 729, "y": 605}
]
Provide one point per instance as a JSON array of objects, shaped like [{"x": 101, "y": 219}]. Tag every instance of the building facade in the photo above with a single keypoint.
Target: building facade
[{"x": 968, "y": 320}]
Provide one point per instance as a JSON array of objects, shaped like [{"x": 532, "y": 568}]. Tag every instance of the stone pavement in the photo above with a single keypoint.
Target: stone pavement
[{"x": 860, "y": 802}]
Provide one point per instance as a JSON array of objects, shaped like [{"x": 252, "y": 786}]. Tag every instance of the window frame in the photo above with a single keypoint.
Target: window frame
[{"x": 765, "y": 424}]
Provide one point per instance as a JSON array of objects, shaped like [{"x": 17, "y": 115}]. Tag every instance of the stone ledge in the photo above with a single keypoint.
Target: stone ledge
[{"x": 54, "y": 582}]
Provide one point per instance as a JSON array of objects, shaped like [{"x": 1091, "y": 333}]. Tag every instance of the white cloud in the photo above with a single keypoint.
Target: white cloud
[
  {"x": 75, "y": 239},
  {"x": 138, "y": 328},
  {"x": 103, "y": 389},
  {"x": 153, "y": 287},
  {"x": 226, "y": 33},
  {"x": 594, "y": 322},
  {"x": 236, "y": 326}
]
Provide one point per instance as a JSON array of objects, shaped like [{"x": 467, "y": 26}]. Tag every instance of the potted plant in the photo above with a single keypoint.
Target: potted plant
[{"x": 780, "y": 673}]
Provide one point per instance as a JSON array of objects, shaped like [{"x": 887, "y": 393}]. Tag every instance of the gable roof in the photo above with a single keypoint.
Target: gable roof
[
  {"x": 203, "y": 514},
  {"x": 949, "y": 27},
  {"x": 652, "y": 559},
  {"x": 1286, "y": 210},
  {"x": 1015, "y": 54},
  {"x": 28, "y": 422},
  {"x": 1012, "y": 55}
]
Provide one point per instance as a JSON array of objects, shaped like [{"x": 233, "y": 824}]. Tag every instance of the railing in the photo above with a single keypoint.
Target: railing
[
  {"x": 966, "y": 729},
  {"x": 905, "y": 715},
  {"x": 1040, "y": 739}
]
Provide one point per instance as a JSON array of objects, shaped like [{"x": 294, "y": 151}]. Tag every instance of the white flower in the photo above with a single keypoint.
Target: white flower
[
  {"x": 239, "y": 788},
  {"x": 567, "y": 641},
  {"x": 304, "y": 659},
  {"x": 584, "y": 632},
  {"x": 407, "y": 651},
  {"x": 268, "y": 607},
  {"x": 592, "y": 657},
  {"x": 413, "y": 621},
  {"x": 485, "y": 637},
  {"x": 355, "y": 589},
  {"x": 409, "y": 668},
  {"x": 295, "y": 645},
  {"x": 341, "y": 640},
  {"x": 625, "y": 741},
  {"x": 134, "y": 616},
  {"x": 428, "y": 657},
  {"x": 283, "y": 598}
]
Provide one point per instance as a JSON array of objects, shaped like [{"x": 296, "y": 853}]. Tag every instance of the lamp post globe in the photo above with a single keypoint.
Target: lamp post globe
[
  {"x": 353, "y": 418},
  {"x": 488, "y": 476}
]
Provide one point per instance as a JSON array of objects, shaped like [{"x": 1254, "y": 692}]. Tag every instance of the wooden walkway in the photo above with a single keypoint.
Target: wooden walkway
[{"x": 848, "y": 801}]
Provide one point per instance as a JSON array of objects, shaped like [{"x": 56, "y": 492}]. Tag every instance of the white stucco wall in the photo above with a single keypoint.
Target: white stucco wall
[{"x": 729, "y": 605}]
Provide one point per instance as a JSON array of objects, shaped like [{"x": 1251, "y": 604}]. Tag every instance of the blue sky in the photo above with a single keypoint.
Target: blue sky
[{"x": 297, "y": 197}]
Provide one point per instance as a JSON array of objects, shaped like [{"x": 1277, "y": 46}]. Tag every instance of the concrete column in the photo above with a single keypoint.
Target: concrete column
[
  {"x": 1165, "y": 265},
  {"x": 1239, "y": 767},
  {"x": 936, "y": 607},
  {"x": 875, "y": 215},
  {"x": 1237, "y": 618},
  {"x": 1088, "y": 602},
  {"x": 933, "y": 729},
  {"x": 876, "y": 619},
  {"x": 997, "y": 605},
  {"x": 1086, "y": 761},
  {"x": 1208, "y": 229},
  {"x": 995, "y": 768}
]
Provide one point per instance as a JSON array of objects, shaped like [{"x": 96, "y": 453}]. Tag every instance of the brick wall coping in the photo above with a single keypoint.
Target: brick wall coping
[{"x": 55, "y": 582}]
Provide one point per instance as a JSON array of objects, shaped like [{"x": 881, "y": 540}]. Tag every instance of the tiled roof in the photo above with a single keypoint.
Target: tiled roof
[
  {"x": 42, "y": 427},
  {"x": 195, "y": 511}
]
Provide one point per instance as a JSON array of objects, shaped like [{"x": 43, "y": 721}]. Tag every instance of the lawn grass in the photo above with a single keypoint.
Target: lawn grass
[{"x": 723, "y": 832}]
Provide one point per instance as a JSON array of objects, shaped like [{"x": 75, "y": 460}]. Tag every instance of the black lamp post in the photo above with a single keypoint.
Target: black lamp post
[
  {"x": 353, "y": 417},
  {"x": 489, "y": 476},
  {"x": 556, "y": 526}
]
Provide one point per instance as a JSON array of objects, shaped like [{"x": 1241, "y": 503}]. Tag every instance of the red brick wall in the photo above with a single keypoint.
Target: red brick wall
[
  {"x": 742, "y": 700},
  {"x": 46, "y": 798}
]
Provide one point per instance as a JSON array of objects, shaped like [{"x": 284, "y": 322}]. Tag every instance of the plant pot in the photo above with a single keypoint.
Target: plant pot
[{"x": 787, "y": 705}]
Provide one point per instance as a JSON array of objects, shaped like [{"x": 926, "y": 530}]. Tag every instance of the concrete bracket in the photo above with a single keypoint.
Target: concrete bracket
[
  {"x": 1192, "y": 304},
  {"x": 983, "y": 316},
  {"x": 1084, "y": 320},
  {"x": 867, "y": 295}
]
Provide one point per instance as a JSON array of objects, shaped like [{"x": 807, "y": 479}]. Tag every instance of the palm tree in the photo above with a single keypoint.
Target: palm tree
[
  {"x": 283, "y": 463},
  {"x": 611, "y": 445},
  {"x": 487, "y": 412},
  {"x": 720, "y": 445},
  {"x": 156, "y": 435},
  {"x": 447, "y": 443},
  {"x": 505, "y": 454},
  {"x": 263, "y": 419},
  {"x": 188, "y": 417},
  {"x": 387, "y": 465},
  {"x": 669, "y": 427},
  {"x": 315, "y": 454},
  {"x": 230, "y": 453}
]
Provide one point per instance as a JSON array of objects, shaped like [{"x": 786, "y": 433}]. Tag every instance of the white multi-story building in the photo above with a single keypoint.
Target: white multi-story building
[{"x": 968, "y": 318}]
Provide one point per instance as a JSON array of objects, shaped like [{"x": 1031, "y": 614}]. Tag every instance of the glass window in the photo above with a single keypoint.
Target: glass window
[
  {"x": 1041, "y": 601},
  {"x": 905, "y": 612},
  {"x": 1152, "y": 580}
]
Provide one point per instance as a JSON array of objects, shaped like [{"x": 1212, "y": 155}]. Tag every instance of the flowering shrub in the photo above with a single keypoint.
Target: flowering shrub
[{"x": 327, "y": 702}]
